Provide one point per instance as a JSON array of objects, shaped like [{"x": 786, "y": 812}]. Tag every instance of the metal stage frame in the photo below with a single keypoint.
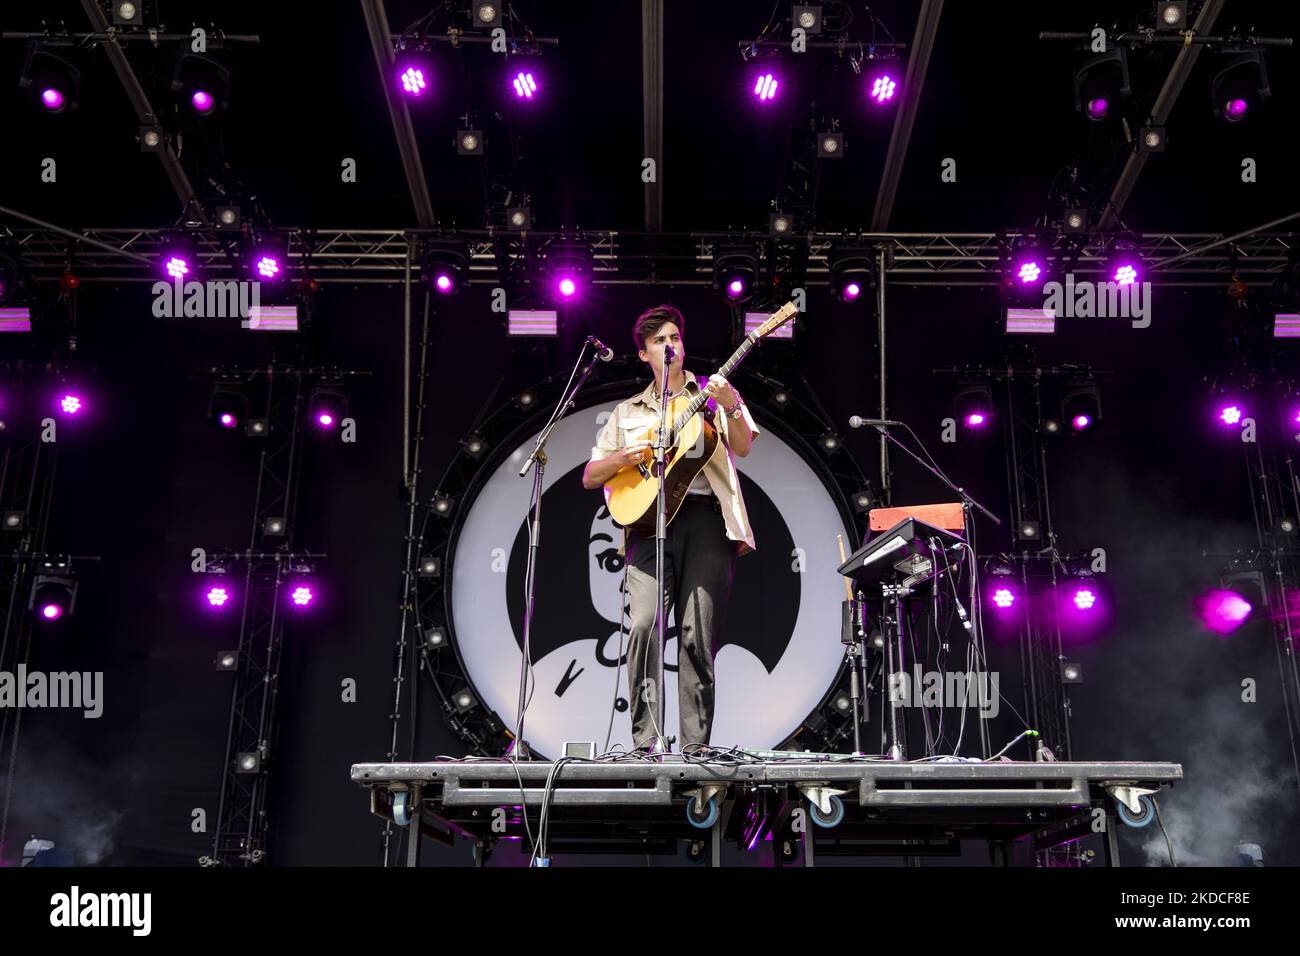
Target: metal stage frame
[
  {"x": 803, "y": 807},
  {"x": 630, "y": 258}
]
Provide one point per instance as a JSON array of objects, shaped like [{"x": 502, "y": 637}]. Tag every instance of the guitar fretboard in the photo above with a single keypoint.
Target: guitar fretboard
[{"x": 701, "y": 398}]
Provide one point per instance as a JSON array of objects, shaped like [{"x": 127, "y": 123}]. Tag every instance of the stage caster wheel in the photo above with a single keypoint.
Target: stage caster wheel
[
  {"x": 402, "y": 808},
  {"x": 1147, "y": 814},
  {"x": 705, "y": 819},
  {"x": 696, "y": 851},
  {"x": 827, "y": 820}
]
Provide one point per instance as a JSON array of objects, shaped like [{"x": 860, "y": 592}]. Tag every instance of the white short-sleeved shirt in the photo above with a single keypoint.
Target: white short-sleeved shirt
[{"x": 633, "y": 417}]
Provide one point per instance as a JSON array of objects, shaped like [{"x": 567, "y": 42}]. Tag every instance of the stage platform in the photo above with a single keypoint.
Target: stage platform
[{"x": 794, "y": 809}]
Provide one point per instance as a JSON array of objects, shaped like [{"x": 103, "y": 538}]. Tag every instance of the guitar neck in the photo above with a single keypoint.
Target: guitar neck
[{"x": 701, "y": 398}]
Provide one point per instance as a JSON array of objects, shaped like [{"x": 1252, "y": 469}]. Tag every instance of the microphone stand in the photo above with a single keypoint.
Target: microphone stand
[
  {"x": 661, "y": 744},
  {"x": 894, "y": 596},
  {"x": 537, "y": 461}
]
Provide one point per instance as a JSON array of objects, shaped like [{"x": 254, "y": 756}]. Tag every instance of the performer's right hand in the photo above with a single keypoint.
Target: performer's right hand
[{"x": 637, "y": 453}]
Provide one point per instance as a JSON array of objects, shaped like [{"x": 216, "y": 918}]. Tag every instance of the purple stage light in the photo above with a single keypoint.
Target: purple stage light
[
  {"x": 218, "y": 596},
  {"x": 883, "y": 88},
  {"x": 1098, "y": 107},
  {"x": 203, "y": 101},
  {"x": 1004, "y": 598},
  {"x": 176, "y": 267},
  {"x": 1224, "y": 611},
  {"x": 1084, "y": 599},
  {"x": 268, "y": 267},
  {"x": 302, "y": 595},
  {"x": 52, "y": 99},
  {"x": 70, "y": 404},
  {"x": 567, "y": 287},
  {"x": 1080, "y": 422},
  {"x": 852, "y": 290},
  {"x": 1125, "y": 275},
  {"x": 443, "y": 282},
  {"x": 228, "y": 420},
  {"x": 735, "y": 288},
  {"x": 52, "y": 611},
  {"x": 413, "y": 82},
  {"x": 1029, "y": 272},
  {"x": 525, "y": 86},
  {"x": 1236, "y": 108},
  {"x": 976, "y": 419},
  {"x": 765, "y": 87},
  {"x": 325, "y": 420},
  {"x": 1230, "y": 414}
]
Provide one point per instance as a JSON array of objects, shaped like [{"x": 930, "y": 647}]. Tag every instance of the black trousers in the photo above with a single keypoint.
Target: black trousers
[{"x": 699, "y": 560}]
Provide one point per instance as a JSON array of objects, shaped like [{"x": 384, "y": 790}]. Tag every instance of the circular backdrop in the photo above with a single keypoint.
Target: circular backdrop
[{"x": 780, "y": 648}]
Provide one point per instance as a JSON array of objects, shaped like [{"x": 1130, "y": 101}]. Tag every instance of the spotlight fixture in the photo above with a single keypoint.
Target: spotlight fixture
[
  {"x": 217, "y": 596},
  {"x": 444, "y": 267},
  {"x": 14, "y": 521},
  {"x": 780, "y": 225},
  {"x": 430, "y": 566},
  {"x": 486, "y": 14},
  {"x": 973, "y": 404},
  {"x": 1074, "y": 222},
  {"x": 735, "y": 268},
  {"x": 568, "y": 264},
  {"x": 273, "y": 527},
  {"x": 1029, "y": 531},
  {"x": 852, "y": 272},
  {"x": 127, "y": 13},
  {"x": 807, "y": 17},
  {"x": 863, "y": 501},
  {"x": 881, "y": 88},
  {"x": 526, "y": 400},
  {"x": 780, "y": 399},
  {"x": 1286, "y": 525},
  {"x": 50, "y": 79},
  {"x": 475, "y": 445},
  {"x": 227, "y": 660},
  {"x": 435, "y": 638},
  {"x": 1151, "y": 139},
  {"x": 1239, "y": 85},
  {"x": 1171, "y": 15},
  {"x": 267, "y": 259},
  {"x": 469, "y": 142},
  {"x": 442, "y": 504},
  {"x": 256, "y": 427},
  {"x": 227, "y": 218},
  {"x": 764, "y": 86},
  {"x": 1124, "y": 264},
  {"x": 201, "y": 83},
  {"x": 301, "y": 594},
  {"x": 830, "y": 145},
  {"x": 1101, "y": 83},
  {"x": 463, "y": 700},
  {"x": 518, "y": 217},
  {"x": 1071, "y": 672},
  {"x": 1051, "y": 426},
  {"x": 152, "y": 139},
  {"x": 249, "y": 762},
  {"x": 412, "y": 73},
  {"x": 328, "y": 403},
  {"x": 524, "y": 84},
  {"x": 227, "y": 404},
  {"x": 1081, "y": 405},
  {"x": 1003, "y": 596},
  {"x": 54, "y": 591},
  {"x": 842, "y": 703},
  {"x": 829, "y": 443}
]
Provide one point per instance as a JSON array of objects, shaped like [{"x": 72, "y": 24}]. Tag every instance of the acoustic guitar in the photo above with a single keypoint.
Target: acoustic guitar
[{"x": 633, "y": 491}]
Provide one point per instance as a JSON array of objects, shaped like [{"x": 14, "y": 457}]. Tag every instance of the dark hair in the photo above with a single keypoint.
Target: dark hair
[{"x": 652, "y": 320}]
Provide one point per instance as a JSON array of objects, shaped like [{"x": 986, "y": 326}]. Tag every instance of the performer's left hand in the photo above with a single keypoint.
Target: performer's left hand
[{"x": 719, "y": 390}]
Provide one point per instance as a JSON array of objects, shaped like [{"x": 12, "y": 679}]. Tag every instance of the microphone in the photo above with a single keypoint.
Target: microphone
[
  {"x": 857, "y": 422},
  {"x": 603, "y": 351},
  {"x": 670, "y": 353}
]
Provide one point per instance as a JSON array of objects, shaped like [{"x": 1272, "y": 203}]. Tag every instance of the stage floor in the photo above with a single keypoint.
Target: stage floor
[{"x": 798, "y": 807}]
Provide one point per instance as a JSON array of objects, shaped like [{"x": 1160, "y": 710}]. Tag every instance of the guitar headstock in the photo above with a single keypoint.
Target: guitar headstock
[{"x": 777, "y": 319}]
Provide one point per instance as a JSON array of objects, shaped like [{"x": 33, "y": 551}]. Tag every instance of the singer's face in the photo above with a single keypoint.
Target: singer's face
[{"x": 654, "y": 348}]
